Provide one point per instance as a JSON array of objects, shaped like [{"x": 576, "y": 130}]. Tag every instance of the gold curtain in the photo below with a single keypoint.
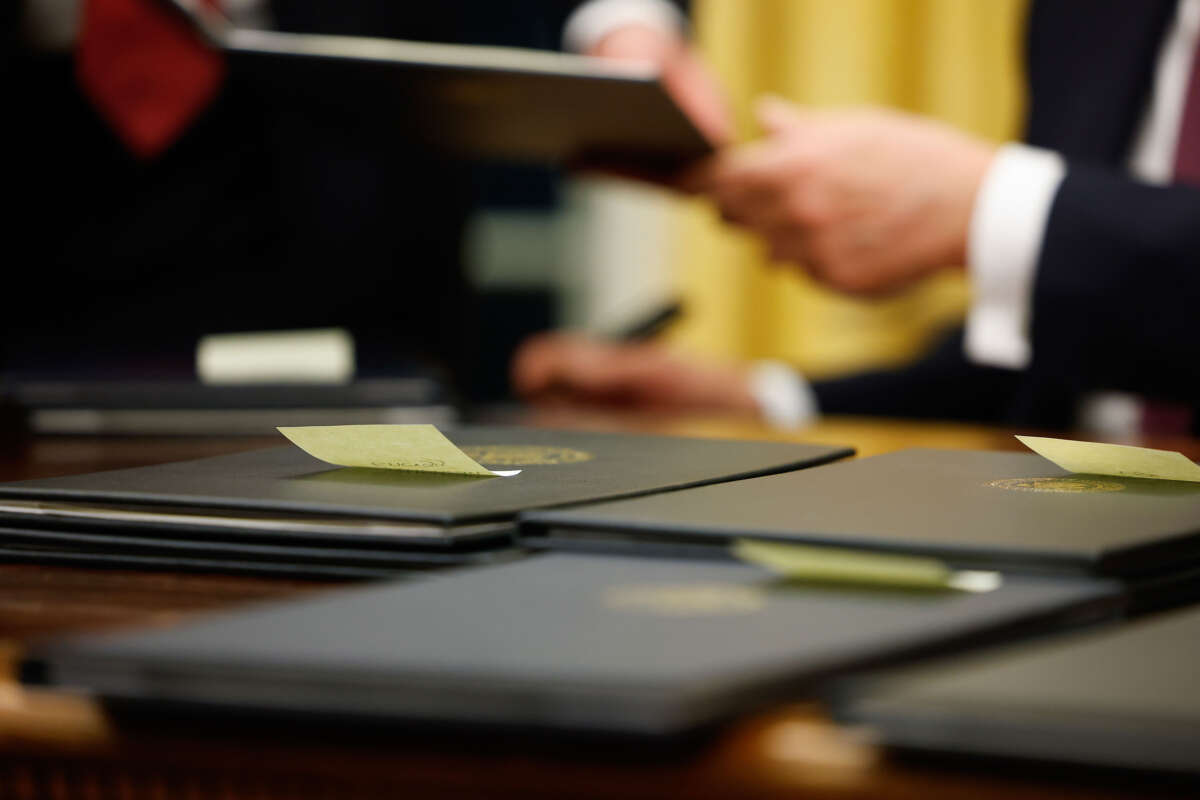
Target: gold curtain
[{"x": 958, "y": 60}]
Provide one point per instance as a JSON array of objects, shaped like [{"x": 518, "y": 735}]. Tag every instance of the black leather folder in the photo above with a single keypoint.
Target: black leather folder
[
  {"x": 975, "y": 509},
  {"x": 178, "y": 407},
  {"x": 504, "y": 103},
  {"x": 480, "y": 102},
  {"x": 283, "y": 506},
  {"x": 1120, "y": 698},
  {"x": 561, "y": 642}
]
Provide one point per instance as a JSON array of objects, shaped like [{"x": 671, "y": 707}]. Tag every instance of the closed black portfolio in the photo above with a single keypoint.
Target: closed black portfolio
[
  {"x": 179, "y": 407},
  {"x": 285, "y": 507},
  {"x": 477, "y": 101},
  {"x": 1118, "y": 697},
  {"x": 989, "y": 509},
  {"x": 480, "y": 102},
  {"x": 560, "y": 642}
]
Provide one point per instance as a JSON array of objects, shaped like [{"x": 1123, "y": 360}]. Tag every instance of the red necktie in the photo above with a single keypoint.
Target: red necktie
[
  {"x": 1187, "y": 152},
  {"x": 1170, "y": 418},
  {"x": 146, "y": 71}
]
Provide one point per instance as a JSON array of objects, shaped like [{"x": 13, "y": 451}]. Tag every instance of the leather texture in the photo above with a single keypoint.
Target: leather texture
[
  {"x": 590, "y": 643},
  {"x": 590, "y": 466},
  {"x": 940, "y": 502},
  {"x": 1121, "y": 699}
]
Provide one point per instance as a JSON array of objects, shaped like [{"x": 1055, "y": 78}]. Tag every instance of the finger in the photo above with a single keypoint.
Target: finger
[
  {"x": 755, "y": 207},
  {"x": 755, "y": 162},
  {"x": 791, "y": 246},
  {"x": 561, "y": 363},
  {"x": 779, "y": 117},
  {"x": 774, "y": 161},
  {"x": 688, "y": 79},
  {"x": 637, "y": 43},
  {"x": 537, "y": 362},
  {"x": 603, "y": 369}
]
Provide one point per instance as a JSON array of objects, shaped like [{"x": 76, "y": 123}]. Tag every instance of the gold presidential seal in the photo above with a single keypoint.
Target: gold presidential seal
[
  {"x": 524, "y": 455},
  {"x": 686, "y": 599},
  {"x": 1068, "y": 484}
]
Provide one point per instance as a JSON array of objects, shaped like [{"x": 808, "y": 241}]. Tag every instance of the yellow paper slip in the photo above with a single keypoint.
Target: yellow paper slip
[
  {"x": 860, "y": 567},
  {"x": 418, "y": 448},
  {"x": 1094, "y": 458}
]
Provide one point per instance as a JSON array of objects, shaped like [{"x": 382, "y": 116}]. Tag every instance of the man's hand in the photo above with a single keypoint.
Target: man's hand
[
  {"x": 866, "y": 200},
  {"x": 684, "y": 73},
  {"x": 565, "y": 369}
]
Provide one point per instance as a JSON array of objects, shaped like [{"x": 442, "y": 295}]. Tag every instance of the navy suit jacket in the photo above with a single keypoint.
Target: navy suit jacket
[{"x": 1117, "y": 290}]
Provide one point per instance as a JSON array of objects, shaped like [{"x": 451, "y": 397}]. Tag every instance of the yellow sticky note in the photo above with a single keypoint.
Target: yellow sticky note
[
  {"x": 1121, "y": 460},
  {"x": 822, "y": 564},
  {"x": 807, "y": 562},
  {"x": 419, "y": 448}
]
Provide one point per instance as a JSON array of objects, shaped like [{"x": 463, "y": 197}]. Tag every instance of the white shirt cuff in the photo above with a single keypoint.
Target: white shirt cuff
[
  {"x": 784, "y": 397},
  {"x": 593, "y": 21},
  {"x": 1004, "y": 244}
]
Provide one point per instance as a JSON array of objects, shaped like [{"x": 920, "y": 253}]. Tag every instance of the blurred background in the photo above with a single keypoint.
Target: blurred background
[
  {"x": 628, "y": 248},
  {"x": 440, "y": 267}
]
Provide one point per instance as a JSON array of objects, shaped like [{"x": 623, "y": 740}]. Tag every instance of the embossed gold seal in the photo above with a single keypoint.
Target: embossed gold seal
[
  {"x": 1067, "y": 484},
  {"x": 524, "y": 455},
  {"x": 686, "y": 599}
]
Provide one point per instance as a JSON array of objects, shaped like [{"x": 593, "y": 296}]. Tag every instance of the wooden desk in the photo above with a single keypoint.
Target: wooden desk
[{"x": 60, "y": 746}]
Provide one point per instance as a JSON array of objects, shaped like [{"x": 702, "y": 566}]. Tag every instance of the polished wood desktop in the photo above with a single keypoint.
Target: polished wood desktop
[{"x": 63, "y": 746}]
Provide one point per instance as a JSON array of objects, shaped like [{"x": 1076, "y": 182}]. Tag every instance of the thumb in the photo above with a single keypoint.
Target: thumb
[{"x": 778, "y": 116}]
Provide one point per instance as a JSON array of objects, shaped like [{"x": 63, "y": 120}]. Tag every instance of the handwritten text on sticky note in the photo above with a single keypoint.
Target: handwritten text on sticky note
[
  {"x": 1095, "y": 458},
  {"x": 419, "y": 448}
]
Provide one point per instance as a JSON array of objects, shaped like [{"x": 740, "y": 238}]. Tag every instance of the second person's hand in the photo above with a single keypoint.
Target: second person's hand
[
  {"x": 866, "y": 201},
  {"x": 686, "y": 77}
]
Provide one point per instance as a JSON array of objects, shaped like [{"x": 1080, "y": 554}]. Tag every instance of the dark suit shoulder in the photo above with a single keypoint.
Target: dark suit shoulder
[{"x": 1091, "y": 65}]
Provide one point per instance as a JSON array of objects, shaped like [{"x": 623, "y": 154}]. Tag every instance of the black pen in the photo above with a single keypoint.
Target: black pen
[{"x": 651, "y": 325}]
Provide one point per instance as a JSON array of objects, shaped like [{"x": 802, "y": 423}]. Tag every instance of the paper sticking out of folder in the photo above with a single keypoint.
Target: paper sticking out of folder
[
  {"x": 416, "y": 448},
  {"x": 836, "y": 565},
  {"x": 1095, "y": 458}
]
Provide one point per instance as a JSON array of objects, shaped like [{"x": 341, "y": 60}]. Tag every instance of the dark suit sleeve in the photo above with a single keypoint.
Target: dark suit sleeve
[
  {"x": 10, "y": 18},
  {"x": 1117, "y": 293},
  {"x": 941, "y": 385}
]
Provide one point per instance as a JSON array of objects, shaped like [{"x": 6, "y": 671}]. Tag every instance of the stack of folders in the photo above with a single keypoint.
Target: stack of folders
[
  {"x": 281, "y": 511},
  {"x": 1011, "y": 512},
  {"x": 1114, "y": 696},
  {"x": 657, "y": 630},
  {"x": 570, "y": 642}
]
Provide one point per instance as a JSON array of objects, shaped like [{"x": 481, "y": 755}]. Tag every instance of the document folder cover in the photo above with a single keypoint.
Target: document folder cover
[
  {"x": 1114, "y": 697},
  {"x": 284, "y": 498},
  {"x": 484, "y": 102},
  {"x": 559, "y": 641},
  {"x": 171, "y": 407},
  {"x": 989, "y": 509}
]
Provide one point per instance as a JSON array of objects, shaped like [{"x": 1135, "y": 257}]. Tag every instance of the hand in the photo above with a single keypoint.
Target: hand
[
  {"x": 867, "y": 200},
  {"x": 563, "y": 369},
  {"x": 685, "y": 75}
]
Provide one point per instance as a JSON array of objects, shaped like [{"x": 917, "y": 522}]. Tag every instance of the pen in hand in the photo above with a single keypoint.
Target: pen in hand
[{"x": 649, "y": 326}]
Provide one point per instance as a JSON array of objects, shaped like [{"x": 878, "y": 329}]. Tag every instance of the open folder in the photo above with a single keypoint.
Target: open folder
[{"x": 281, "y": 509}]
